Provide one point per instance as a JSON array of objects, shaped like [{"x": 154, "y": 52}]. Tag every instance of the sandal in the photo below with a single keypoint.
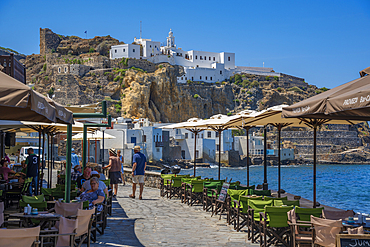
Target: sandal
[
  {"x": 131, "y": 196},
  {"x": 140, "y": 198}
]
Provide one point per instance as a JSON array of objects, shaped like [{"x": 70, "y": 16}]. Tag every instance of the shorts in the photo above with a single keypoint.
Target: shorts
[
  {"x": 138, "y": 179},
  {"x": 115, "y": 177}
]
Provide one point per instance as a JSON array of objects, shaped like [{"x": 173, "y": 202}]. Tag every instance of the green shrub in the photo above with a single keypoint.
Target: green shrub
[
  {"x": 44, "y": 67},
  {"x": 229, "y": 114},
  {"x": 117, "y": 106},
  {"x": 243, "y": 91},
  {"x": 196, "y": 96},
  {"x": 279, "y": 89},
  {"x": 276, "y": 78},
  {"x": 33, "y": 87},
  {"x": 130, "y": 88},
  {"x": 60, "y": 36},
  {"x": 318, "y": 91},
  {"x": 249, "y": 92},
  {"x": 124, "y": 113},
  {"x": 51, "y": 91},
  {"x": 161, "y": 66},
  {"x": 236, "y": 100},
  {"x": 52, "y": 50},
  {"x": 118, "y": 110},
  {"x": 217, "y": 82},
  {"x": 46, "y": 77},
  {"x": 267, "y": 78},
  {"x": 189, "y": 82},
  {"x": 223, "y": 83},
  {"x": 254, "y": 84},
  {"x": 124, "y": 95},
  {"x": 68, "y": 104},
  {"x": 324, "y": 89},
  {"x": 116, "y": 79},
  {"x": 107, "y": 98},
  {"x": 295, "y": 89}
]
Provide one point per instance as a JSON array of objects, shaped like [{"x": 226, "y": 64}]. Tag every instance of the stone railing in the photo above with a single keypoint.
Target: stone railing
[{"x": 151, "y": 179}]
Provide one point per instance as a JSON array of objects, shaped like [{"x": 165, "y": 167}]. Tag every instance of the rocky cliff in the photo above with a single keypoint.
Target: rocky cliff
[{"x": 76, "y": 71}]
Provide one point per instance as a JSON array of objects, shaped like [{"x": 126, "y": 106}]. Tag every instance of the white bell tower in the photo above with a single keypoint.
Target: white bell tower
[{"x": 171, "y": 39}]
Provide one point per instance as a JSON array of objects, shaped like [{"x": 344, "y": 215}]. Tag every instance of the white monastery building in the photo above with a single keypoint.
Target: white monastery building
[{"x": 198, "y": 65}]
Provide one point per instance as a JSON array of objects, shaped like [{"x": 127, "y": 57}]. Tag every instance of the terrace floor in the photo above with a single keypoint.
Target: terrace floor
[{"x": 157, "y": 221}]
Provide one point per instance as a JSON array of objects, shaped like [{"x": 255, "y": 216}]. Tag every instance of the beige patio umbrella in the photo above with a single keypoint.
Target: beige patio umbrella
[{"x": 19, "y": 102}]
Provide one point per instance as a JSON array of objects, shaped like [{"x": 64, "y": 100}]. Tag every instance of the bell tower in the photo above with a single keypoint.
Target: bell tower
[{"x": 171, "y": 39}]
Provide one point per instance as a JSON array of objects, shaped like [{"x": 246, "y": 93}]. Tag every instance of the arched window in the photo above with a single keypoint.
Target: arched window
[
  {"x": 59, "y": 69},
  {"x": 65, "y": 69}
]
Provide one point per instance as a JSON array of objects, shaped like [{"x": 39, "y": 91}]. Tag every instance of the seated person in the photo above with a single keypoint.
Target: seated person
[
  {"x": 5, "y": 170},
  {"x": 99, "y": 170},
  {"x": 85, "y": 176},
  {"x": 94, "y": 195},
  {"x": 86, "y": 185},
  {"x": 76, "y": 173},
  {"x": 63, "y": 172}
]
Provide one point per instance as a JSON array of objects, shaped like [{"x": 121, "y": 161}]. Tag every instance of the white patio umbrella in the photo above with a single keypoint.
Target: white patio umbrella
[
  {"x": 193, "y": 126},
  {"x": 97, "y": 135}
]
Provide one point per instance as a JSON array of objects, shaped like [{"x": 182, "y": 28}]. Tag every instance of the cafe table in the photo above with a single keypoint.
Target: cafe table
[{"x": 46, "y": 220}]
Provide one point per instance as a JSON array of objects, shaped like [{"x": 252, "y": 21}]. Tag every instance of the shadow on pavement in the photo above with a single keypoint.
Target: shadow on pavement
[{"x": 120, "y": 230}]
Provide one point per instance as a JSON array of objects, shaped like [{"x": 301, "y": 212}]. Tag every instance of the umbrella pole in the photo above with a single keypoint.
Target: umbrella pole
[
  {"x": 43, "y": 157},
  {"x": 102, "y": 153},
  {"x": 96, "y": 151},
  {"x": 38, "y": 166},
  {"x": 51, "y": 164},
  {"x": 265, "y": 184},
  {"x": 84, "y": 147},
  {"x": 314, "y": 165},
  {"x": 67, "y": 194},
  {"x": 247, "y": 129},
  {"x": 48, "y": 136},
  {"x": 219, "y": 154},
  {"x": 195, "y": 150},
  {"x": 279, "y": 156}
]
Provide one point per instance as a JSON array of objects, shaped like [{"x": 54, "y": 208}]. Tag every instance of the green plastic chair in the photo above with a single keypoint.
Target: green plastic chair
[
  {"x": 106, "y": 182},
  {"x": 175, "y": 187},
  {"x": 195, "y": 192},
  {"x": 34, "y": 201},
  {"x": 258, "y": 206},
  {"x": 63, "y": 187},
  {"x": 235, "y": 195},
  {"x": 275, "y": 226},
  {"x": 210, "y": 185},
  {"x": 275, "y": 198},
  {"x": 286, "y": 202},
  {"x": 261, "y": 192},
  {"x": 304, "y": 214}
]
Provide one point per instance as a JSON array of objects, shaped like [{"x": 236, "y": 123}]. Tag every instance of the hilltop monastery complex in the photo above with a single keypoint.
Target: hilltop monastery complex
[{"x": 198, "y": 65}]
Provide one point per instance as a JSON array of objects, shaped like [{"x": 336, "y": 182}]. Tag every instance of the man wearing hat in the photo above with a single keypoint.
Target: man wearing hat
[
  {"x": 114, "y": 171},
  {"x": 138, "y": 171}
]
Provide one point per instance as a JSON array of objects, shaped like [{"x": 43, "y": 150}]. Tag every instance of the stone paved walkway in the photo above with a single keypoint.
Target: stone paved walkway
[{"x": 156, "y": 221}]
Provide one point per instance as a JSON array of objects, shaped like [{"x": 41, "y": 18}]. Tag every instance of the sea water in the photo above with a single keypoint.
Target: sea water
[{"x": 339, "y": 186}]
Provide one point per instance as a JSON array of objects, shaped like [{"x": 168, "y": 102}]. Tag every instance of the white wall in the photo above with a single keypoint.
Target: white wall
[{"x": 126, "y": 51}]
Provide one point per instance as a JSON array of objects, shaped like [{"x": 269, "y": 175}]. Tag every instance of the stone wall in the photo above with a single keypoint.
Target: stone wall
[
  {"x": 288, "y": 81},
  {"x": 48, "y": 41},
  {"x": 137, "y": 63},
  {"x": 348, "y": 142},
  {"x": 152, "y": 179},
  {"x": 320, "y": 134}
]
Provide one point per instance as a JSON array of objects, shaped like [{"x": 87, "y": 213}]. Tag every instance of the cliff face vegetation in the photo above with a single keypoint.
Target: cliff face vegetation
[{"x": 75, "y": 71}]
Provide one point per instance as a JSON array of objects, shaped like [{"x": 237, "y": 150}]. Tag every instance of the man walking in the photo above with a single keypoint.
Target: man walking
[
  {"x": 32, "y": 169},
  {"x": 74, "y": 158},
  {"x": 138, "y": 171}
]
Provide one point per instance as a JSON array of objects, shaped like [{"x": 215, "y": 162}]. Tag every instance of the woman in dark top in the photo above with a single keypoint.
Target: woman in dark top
[{"x": 114, "y": 171}]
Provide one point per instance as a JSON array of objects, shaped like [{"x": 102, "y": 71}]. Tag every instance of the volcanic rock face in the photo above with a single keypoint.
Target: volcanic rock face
[{"x": 160, "y": 98}]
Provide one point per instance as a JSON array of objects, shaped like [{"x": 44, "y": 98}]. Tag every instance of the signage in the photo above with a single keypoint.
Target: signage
[
  {"x": 223, "y": 192},
  {"x": 353, "y": 240}
]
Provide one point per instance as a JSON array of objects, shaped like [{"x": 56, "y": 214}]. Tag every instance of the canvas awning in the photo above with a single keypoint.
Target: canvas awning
[
  {"x": 27, "y": 126},
  {"x": 98, "y": 135},
  {"x": 19, "y": 102},
  {"x": 365, "y": 72},
  {"x": 317, "y": 106}
]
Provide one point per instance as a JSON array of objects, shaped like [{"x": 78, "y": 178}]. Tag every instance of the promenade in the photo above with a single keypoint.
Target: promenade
[{"x": 156, "y": 221}]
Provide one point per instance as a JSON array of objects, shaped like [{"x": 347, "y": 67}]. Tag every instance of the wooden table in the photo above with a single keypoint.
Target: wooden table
[{"x": 47, "y": 220}]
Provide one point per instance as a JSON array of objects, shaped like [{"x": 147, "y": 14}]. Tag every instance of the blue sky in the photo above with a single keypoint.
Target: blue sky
[{"x": 325, "y": 42}]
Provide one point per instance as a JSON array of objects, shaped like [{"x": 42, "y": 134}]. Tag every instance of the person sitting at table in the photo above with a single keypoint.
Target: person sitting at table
[
  {"x": 5, "y": 170},
  {"x": 85, "y": 176},
  {"x": 100, "y": 171},
  {"x": 86, "y": 185},
  {"x": 94, "y": 195},
  {"x": 76, "y": 173}
]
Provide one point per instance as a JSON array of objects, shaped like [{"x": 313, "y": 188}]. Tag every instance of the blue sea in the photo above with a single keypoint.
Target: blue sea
[{"x": 339, "y": 186}]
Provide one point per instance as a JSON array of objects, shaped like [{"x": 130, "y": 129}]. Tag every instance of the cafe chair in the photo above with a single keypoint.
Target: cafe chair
[
  {"x": 195, "y": 192},
  {"x": 34, "y": 201},
  {"x": 325, "y": 231},
  {"x": 16, "y": 193},
  {"x": 274, "y": 225},
  {"x": 241, "y": 207},
  {"x": 19, "y": 237},
  {"x": 278, "y": 203},
  {"x": 300, "y": 234},
  {"x": 64, "y": 234},
  {"x": 67, "y": 209},
  {"x": 164, "y": 178},
  {"x": 84, "y": 221},
  {"x": 255, "y": 207},
  {"x": 356, "y": 230},
  {"x": 174, "y": 188},
  {"x": 337, "y": 215},
  {"x": 234, "y": 196}
]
